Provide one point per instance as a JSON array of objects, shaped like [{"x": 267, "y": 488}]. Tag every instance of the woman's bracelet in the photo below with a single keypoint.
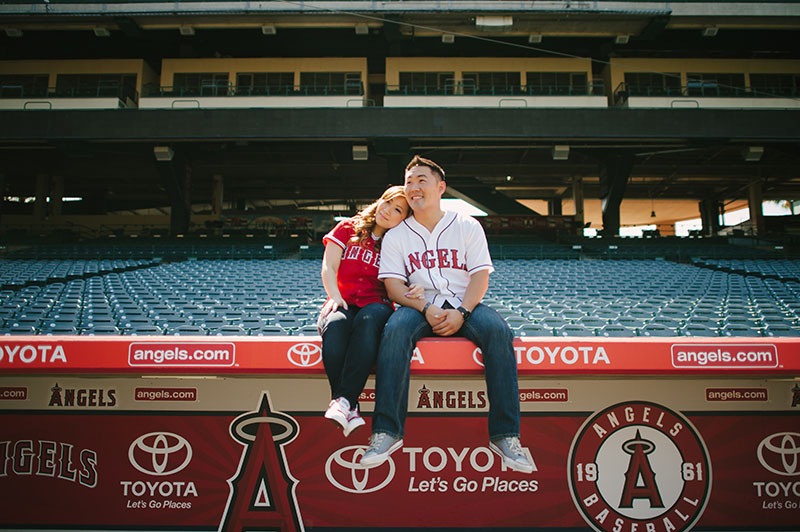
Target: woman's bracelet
[{"x": 425, "y": 309}]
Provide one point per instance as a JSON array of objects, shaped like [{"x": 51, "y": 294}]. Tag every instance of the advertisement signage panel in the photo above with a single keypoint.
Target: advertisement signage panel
[{"x": 128, "y": 453}]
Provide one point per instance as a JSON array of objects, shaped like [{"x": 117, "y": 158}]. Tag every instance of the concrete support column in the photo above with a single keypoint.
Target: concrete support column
[
  {"x": 217, "y": 195},
  {"x": 709, "y": 216},
  {"x": 180, "y": 221},
  {"x": 56, "y": 195},
  {"x": 554, "y": 207},
  {"x": 614, "y": 175},
  {"x": 42, "y": 191},
  {"x": 2, "y": 195},
  {"x": 755, "y": 200},
  {"x": 577, "y": 199},
  {"x": 176, "y": 174}
]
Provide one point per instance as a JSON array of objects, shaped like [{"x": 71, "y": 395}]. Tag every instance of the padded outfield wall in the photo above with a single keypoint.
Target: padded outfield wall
[{"x": 202, "y": 434}]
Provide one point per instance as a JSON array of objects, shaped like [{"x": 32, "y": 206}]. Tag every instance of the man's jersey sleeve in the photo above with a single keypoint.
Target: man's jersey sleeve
[
  {"x": 392, "y": 266},
  {"x": 478, "y": 257}
]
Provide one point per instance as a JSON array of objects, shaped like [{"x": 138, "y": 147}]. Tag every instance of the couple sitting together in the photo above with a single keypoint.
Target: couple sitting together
[{"x": 435, "y": 266}]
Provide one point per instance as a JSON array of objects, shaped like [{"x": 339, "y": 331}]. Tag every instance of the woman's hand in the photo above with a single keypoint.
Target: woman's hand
[
  {"x": 332, "y": 305},
  {"x": 415, "y": 291}
]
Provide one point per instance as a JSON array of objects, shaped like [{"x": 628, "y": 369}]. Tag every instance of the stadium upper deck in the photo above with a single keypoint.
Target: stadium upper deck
[{"x": 207, "y": 112}]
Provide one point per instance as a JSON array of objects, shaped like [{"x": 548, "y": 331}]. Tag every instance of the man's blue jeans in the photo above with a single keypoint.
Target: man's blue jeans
[
  {"x": 350, "y": 341},
  {"x": 486, "y": 329}
]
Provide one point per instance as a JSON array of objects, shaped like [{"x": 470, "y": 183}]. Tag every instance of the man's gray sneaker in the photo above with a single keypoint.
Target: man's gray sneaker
[
  {"x": 512, "y": 453},
  {"x": 381, "y": 445}
]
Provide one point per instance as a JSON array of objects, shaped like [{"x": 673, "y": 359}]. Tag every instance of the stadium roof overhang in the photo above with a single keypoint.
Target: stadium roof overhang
[{"x": 269, "y": 157}]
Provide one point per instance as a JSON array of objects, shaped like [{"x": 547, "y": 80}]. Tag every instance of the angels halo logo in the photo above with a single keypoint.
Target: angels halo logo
[{"x": 639, "y": 466}]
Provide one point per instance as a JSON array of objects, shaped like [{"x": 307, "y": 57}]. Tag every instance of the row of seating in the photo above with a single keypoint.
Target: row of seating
[
  {"x": 536, "y": 297},
  {"x": 780, "y": 269},
  {"x": 263, "y": 246}
]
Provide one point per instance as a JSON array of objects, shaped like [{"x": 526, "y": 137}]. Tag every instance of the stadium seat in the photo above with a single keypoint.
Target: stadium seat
[
  {"x": 269, "y": 330},
  {"x": 574, "y": 329},
  {"x": 56, "y": 331},
  {"x": 533, "y": 330},
  {"x": 18, "y": 330},
  {"x": 151, "y": 330},
  {"x": 739, "y": 330},
  {"x": 616, "y": 331},
  {"x": 630, "y": 322},
  {"x": 696, "y": 329},
  {"x": 99, "y": 330},
  {"x": 781, "y": 330},
  {"x": 516, "y": 322},
  {"x": 657, "y": 329},
  {"x": 306, "y": 330},
  {"x": 229, "y": 330}
]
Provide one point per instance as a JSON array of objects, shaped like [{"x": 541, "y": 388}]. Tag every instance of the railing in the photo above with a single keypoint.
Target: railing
[
  {"x": 101, "y": 91},
  {"x": 704, "y": 90},
  {"x": 230, "y": 90},
  {"x": 466, "y": 88}
]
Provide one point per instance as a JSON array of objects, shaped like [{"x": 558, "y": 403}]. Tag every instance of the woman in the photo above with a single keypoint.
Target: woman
[{"x": 352, "y": 319}]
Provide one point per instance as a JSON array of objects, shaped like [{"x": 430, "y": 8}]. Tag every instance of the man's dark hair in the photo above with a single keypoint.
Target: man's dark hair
[{"x": 422, "y": 161}]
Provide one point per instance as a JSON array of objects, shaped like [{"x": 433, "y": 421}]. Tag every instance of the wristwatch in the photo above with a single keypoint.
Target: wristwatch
[{"x": 464, "y": 313}]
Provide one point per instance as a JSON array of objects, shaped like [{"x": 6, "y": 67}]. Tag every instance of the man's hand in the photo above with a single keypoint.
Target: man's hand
[{"x": 448, "y": 322}]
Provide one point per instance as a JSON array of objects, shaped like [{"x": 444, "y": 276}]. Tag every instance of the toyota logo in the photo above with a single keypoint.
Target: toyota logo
[
  {"x": 305, "y": 355},
  {"x": 779, "y": 453},
  {"x": 477, "y": 356},
  {"x": 160, "y": 453},
  {"x": 344, "y": 463}
]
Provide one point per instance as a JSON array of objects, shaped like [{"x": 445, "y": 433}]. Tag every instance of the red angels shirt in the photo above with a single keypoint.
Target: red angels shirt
[{"x": 357, "y": 277}]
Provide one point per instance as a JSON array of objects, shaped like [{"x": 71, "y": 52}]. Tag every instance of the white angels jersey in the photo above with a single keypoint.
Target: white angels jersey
[{"x": 441, "y": 261}]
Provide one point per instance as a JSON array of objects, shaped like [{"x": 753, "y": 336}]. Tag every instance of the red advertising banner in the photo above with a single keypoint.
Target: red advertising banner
[
  {"x": 627, "y": 465},
  {"x": 446, "y": 356}
]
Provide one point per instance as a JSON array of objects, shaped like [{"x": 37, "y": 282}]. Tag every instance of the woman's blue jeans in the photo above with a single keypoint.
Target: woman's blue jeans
[
  {"x": 486, "y": 329},
  {"x": 350, "y": 340}
]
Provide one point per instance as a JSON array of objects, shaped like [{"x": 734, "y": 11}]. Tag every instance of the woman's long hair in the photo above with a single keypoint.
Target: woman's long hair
[{"x": 364, "y": 221}]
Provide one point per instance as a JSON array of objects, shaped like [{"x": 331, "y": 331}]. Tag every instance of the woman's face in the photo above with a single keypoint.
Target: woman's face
[{"x": 391, "y": 212}]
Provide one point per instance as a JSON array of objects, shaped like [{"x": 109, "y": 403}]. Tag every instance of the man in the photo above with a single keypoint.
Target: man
[{"x": 447, "y": 254}]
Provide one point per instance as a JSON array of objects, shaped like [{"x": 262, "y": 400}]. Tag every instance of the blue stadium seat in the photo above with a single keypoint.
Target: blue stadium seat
[
  {"x": 306, "y": 330},
  {"x": 739, "y": 330},
  {"x": 616, "y": 331},
  {"x": 696, "y": 329},
  {"x": 145, "y": 330},
  {"x": 56, "y": 331},
  {"x": 574, "y": 329},
  {"x": 657, "y": 329},
  {"x": 99, "y": 330},
  {"x": 187, "y": 330},
  {"x": 533, "y": 330},
  {"x": 515, "y": 322},
  {"x": 781, "y": 330},
  {"x": 630, "y": 322},
  {"x": 268, "y": 330},
  {"x": 18, "y": 330},
  {"x": 229, "y": 330}
]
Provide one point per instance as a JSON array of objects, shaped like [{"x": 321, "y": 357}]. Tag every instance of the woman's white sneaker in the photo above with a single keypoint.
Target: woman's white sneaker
[
  {"x": 354, "y": 420},
  {"x": 338, "y": 411}
]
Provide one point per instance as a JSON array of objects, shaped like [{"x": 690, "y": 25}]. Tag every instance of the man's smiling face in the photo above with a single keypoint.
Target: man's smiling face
[{"x": 423, "y": 187}]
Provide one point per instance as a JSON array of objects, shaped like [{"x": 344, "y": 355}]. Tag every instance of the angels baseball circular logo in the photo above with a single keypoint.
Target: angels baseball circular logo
[{"x": 639, "y": 466}]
